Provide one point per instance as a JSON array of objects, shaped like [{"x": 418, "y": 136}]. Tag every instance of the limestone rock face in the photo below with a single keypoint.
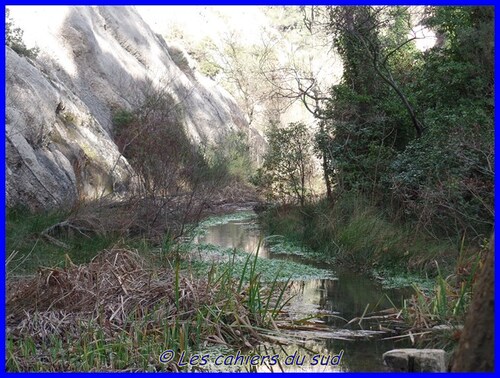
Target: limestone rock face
[
  {"x": 416, "y": 360},
  {"x": 93, "y": 61}
]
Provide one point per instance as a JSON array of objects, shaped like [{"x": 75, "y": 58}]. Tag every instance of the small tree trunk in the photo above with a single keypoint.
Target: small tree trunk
[
  {"x": 327, "y": 179},
  {"x": 476, "y": 350}
]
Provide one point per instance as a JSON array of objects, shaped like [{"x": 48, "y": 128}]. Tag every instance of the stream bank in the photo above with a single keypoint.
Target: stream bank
[
  {"x": 327, "y": 315},
  {"x": 325, "y": 300}
]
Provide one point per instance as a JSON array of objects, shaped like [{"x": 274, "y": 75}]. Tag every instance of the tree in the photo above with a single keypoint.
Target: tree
[
  {"x": 358, "y": 31},
  {"x": 287, "y": 166},
  {"x": 305, "y": 71},
  {"x": 288, "y": 64},
  {"x": 476, "y": 348},
  {"x": 175, "y": 177},
  {"x": 444, "y": 180},
  {"x": 238, "y": 66},
  {"x": 14, "y": 39},
  {"x": 361, "y": 121}
]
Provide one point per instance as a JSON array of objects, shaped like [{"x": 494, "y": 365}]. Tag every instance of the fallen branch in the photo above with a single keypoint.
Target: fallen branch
[{"x": 54, "y": 241}]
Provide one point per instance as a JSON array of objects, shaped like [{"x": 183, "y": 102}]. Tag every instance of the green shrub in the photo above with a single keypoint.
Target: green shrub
[
  {"x": 69, "y": 117},
  {"x": 123, "y": 118},
  {"x": 232, "y": 155},
  {"x": 288, "y": 168}
]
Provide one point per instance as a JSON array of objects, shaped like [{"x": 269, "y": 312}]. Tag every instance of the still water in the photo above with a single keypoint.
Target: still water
[{"x": 342, "y": 299}]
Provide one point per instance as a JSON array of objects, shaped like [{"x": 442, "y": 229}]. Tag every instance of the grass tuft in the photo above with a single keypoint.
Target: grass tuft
[{"x": 353, "y": 233}]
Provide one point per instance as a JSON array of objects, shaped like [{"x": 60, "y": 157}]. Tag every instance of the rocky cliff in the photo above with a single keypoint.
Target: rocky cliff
[{"x": 93, "y": 61}]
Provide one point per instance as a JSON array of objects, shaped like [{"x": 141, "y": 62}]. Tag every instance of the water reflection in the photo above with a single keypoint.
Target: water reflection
[
  {"x": 242, "y": 235},
  {"x": 338, "y": 300}
]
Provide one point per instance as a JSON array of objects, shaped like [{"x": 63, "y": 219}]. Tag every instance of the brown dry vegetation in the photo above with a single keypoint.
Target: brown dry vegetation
[
  {"x": 148, "y": 217},
  {"x": 117, "y": 313}
]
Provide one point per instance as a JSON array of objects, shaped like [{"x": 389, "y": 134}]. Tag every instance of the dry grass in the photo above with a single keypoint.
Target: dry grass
[
  {"x": 117, "y": 314},
  {"x": 115, "y": 282}
]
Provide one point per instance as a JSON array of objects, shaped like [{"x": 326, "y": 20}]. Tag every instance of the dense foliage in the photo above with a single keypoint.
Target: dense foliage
[{"x": 409, "y": 128}]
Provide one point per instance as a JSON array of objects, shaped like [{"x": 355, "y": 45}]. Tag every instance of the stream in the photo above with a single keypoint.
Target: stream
[{"x": 352, "y": 348}]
